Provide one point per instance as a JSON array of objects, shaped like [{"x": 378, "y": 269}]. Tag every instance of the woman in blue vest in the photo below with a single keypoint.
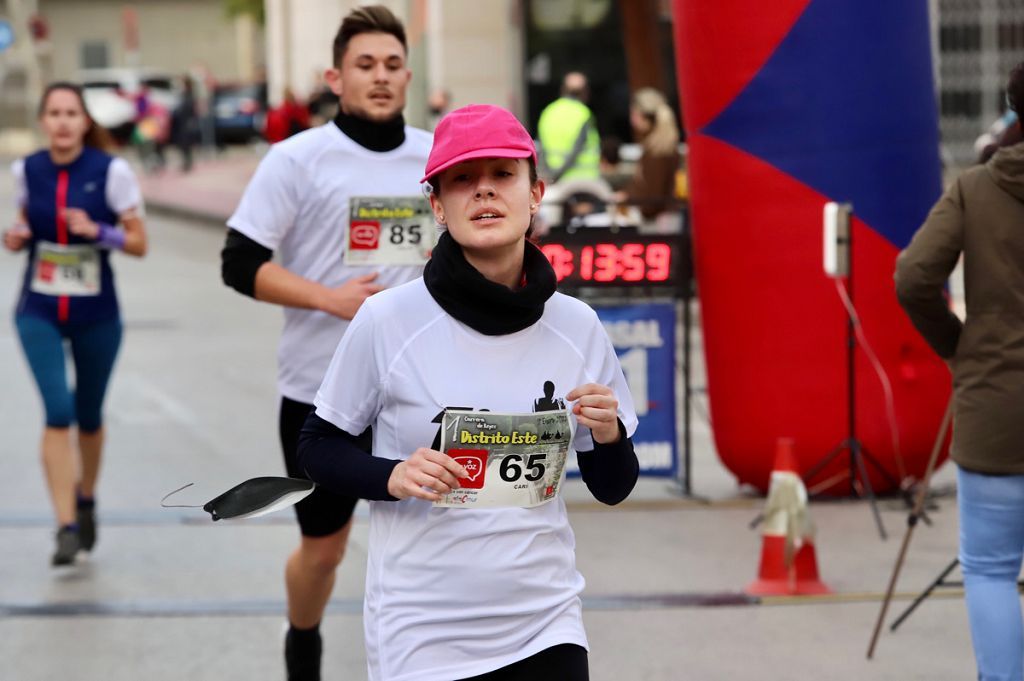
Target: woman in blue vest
[{"x": 72, "y": 196}]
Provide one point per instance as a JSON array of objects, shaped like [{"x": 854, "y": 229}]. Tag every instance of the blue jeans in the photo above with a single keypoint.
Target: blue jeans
[
  {"x": 991, "y": 548},
  {"x": 93, "y": 347}
]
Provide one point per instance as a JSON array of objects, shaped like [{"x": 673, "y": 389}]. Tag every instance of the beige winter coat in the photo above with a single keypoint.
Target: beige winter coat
[{"x": 982, "y": 216}]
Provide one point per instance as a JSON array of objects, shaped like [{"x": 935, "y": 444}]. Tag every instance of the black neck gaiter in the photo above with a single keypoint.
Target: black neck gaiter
[
  {"x": 383, "y": 136},
  {"x": 487, "y": 307}
]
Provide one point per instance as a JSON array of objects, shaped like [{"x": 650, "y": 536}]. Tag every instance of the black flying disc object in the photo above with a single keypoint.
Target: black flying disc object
[{"x": 253, "y": 498}]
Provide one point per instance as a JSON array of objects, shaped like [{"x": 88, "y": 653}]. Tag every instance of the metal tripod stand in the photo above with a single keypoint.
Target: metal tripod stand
[
  {"x": 939, "y": 581},
  {"x": 915, "y": 514},
  {"x": 859, "y": 457}
]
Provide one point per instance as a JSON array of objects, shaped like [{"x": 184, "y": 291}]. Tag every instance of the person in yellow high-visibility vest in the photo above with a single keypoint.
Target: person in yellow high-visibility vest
[{"x": 569, "y": 141}]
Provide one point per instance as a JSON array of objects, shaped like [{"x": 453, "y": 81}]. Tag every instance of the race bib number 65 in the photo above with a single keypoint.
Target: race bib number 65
[
  {"x": 511, "y": 459},
  {"x": 389, "y": 230}
]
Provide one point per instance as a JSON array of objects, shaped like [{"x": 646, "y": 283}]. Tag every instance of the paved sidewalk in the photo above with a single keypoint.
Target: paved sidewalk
[{"x": 210, "y": 192}]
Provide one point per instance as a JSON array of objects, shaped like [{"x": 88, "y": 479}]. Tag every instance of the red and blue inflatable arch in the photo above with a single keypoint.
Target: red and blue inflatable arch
[{"x": 788, "y": 105}]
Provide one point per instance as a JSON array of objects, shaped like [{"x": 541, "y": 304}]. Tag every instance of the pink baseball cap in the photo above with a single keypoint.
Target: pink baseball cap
[{"x": 477, "y": 131}]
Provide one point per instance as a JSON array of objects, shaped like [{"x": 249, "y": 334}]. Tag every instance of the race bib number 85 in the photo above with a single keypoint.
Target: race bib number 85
[{"x": 390, "y": 230}]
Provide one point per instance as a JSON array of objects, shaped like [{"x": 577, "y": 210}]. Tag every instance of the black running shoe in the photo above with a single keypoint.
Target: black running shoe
[
  {"x": 302, "y": 651},
  {"x": 87, "y": 527},
  {"x": 68, "y": 544}
]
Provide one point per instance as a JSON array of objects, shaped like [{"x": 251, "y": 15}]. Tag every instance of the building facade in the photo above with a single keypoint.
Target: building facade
[
  {"x": 977, "y": 43},
  {"x": 172, "y": 36}
]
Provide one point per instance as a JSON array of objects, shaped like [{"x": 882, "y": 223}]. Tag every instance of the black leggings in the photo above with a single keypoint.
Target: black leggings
[{"x": 565, "y": 662}]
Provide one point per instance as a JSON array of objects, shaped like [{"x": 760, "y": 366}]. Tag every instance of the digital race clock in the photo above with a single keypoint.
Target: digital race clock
[{"x": 601, "y": 258}]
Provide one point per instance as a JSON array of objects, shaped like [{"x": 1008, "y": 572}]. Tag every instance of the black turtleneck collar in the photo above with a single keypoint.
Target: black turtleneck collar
[
  {"x": 383, "y": 136},
  {"x": 481, "y": 304}
]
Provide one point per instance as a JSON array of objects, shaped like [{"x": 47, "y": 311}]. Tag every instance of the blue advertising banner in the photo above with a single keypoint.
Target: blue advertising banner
[{"x": 644, "y": 339}]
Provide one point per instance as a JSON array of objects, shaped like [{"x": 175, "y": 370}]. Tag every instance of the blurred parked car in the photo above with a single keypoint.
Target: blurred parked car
[
  {"x": 239, "y": 112},
  {"x": 110, "y": 96}
]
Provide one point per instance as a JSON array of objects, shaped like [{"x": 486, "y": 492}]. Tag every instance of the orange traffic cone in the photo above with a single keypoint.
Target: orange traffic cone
[
  {"x": 788, "y": 561},
  {"x": 805, "y": 564}
]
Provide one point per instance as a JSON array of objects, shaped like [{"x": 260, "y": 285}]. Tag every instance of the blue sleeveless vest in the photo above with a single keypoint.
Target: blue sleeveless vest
[{"x": 52, "y": 188}]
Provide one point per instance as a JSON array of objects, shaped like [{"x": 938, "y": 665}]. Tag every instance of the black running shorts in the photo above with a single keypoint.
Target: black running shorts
[{"x": 322, "y": 513}]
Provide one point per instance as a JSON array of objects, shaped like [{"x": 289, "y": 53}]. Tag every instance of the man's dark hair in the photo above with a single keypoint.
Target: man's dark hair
[
  {"x": 368, "y": 19},
  {"x": 1015, "y": 89}
]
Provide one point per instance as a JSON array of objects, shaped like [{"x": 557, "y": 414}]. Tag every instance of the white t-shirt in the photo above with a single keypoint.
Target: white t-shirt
[
  {"x": 453, "y": 593},
  {"x": 122, "y": 190},
  {"x": 297, "y": 204}
]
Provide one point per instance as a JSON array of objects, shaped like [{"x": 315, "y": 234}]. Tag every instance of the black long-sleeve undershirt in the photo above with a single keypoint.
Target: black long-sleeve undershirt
[
  {"x": 610, "y": 471},
  {"x": 240, "y": 259},
  {"x": 332, "y": 460}
]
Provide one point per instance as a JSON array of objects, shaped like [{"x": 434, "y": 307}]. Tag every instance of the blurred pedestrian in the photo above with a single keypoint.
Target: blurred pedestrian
[
  {"x": 152, "y": 130},
  {"x": 322, "y": 104},
  {"x": 439, "y": 102},
  {"x": 653, "y": 186},
  {"x": 205, "y": 89},
  {"x": 979, "y": 217},
  {"x": 569, "y": 141},
  {"x": 286, "y": 119},
  {"x": 185, "y": 124},
  {"x": 71, "y": 197},
  {"x": 488, "y": 590},
  {"x": 343, "y": 206}
]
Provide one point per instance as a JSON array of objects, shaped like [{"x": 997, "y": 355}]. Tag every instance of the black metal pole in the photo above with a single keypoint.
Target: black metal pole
[
  {"x": 853, "y": 445},
  {"x": 687, "y": 322}
]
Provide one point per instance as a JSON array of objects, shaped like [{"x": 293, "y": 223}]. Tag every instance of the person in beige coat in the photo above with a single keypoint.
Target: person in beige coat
[
  {"x": 981, "y": 217},
  {"x": 653, "y": 187}
]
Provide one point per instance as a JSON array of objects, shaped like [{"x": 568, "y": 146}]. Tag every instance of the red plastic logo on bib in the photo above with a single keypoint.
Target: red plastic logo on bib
[
  {"x": 46, "y": 270},
  {"x": 364, "y": 235},
  {"x": 474, "y": 461}
]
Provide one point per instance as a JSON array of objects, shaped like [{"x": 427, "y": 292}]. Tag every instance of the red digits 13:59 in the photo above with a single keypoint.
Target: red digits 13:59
[{"x": 608, "y": 262}]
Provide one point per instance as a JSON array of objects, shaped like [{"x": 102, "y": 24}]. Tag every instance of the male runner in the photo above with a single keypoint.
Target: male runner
[{"x": 342, "y": 207}]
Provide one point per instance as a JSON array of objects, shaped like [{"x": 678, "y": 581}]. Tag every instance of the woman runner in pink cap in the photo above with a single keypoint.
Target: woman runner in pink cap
[{"x": 481, "y": 384}]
